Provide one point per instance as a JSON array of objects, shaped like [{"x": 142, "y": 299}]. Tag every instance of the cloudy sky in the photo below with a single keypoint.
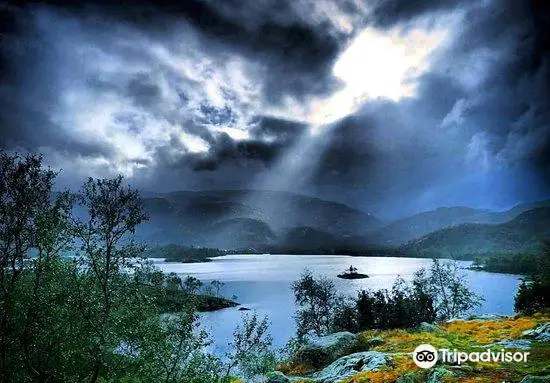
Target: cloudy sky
[{"x": 391, "y": 106}]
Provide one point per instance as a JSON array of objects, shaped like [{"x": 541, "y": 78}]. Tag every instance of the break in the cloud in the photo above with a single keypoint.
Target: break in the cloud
[{"x": 392, "y": 106}]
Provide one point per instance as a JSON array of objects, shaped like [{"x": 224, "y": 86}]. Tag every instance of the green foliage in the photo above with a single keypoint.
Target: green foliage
[
  {"x": 522, "y": 234},
  {"x": 440, "y": 293},
  {"x": 447, "y": 284},
  {"x": 96, "y": 316},
  {"x": 345, "y": 317},
  {"x": 519, "y": 263},
  {"x": 318, "y": 303},
  {"x": 184, "y": 254},
  {"x": 170, "y": 294},
  {"x": 402, "y": 307},
  {"x": 534, "y": 293},
  {"x": 250, "y": 351}
]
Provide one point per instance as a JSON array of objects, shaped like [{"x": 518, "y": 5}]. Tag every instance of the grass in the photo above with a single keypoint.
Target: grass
[{"x": 462, "y": 335}]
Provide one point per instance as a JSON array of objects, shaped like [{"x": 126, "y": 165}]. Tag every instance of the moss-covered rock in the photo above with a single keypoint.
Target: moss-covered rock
[
  {"x": 541, "y": 332},
  {"x": 536, "y": 379},
  {"x": 351, "y": 364},
  {"x": 319, "y": 351},
  {"x": 277, "y": 377}
]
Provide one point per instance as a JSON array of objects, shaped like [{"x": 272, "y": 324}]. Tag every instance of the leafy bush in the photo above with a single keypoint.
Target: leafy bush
[
  {"x": 402, "y": 307},
  {"x": 446, "y": 284},
  {"x": 318, "y": 303},
  {"x": 440, "y": 293},
  {"x": 251, "y": 352},
  {"x": 534, "y": 293},
  {"x": 95, "y": 316}
]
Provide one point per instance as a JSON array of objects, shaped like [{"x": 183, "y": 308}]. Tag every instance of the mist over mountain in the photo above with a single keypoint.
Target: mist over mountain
[
  {"x": 240, "y": 219},
  {"x": 244, "y": 218}
]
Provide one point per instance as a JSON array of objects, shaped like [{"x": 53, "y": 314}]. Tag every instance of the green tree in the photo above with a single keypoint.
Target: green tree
[
  {"x": 28, "y": 221},
  {"x": 96, "y": 314},
  {"x": 534, "y": 292},
  {"x": 447, "y": 285},
  {"x": 251, "y": 351},
  {"x": 424, "y": 308},
  {"x": 113, "y": 212},
  {"x": 318, "y": 302},
  {"x": 216, "y": 286}
]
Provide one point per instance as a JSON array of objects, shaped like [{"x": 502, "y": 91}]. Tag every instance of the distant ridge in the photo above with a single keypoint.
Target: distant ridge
[
  {"x": 524, "y": 233},
  {"x": 403, "y": 230},
  {"x": 240, "y": 219},
  {"x": 205, "y": 218}
]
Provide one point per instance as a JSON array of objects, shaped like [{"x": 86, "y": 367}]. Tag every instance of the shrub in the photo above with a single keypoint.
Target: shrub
[
  {"x": 318, "y": 302},
  {"x": 534, "y": 294},
  {"x": 401, "y": 307}
]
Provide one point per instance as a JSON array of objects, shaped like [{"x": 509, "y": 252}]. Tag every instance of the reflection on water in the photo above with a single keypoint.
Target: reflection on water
[{"x": 262, "y": 283}]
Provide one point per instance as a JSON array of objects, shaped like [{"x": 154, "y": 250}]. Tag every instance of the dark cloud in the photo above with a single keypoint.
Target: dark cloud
[
  {"x": 182, "y": 95},
  {"x": 296, "y": 52},
  {"x": 241, "y": 154},
  {"x": 390, "y": 12}
]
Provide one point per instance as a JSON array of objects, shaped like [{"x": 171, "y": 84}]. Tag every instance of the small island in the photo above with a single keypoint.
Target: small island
[{"x": 352, "y": 273}]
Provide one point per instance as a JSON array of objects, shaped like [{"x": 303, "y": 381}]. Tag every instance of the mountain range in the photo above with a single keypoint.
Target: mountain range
[{"x": 245, "y": 219}]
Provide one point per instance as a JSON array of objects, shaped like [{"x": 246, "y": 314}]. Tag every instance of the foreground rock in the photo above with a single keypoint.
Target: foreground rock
[
  {"x": 277, "y": 377},
  {"x": 520, "y": 344},
  {"x": 536, "y": 379},
  {"x": 541, "y": 332},
  {"x": 319, "y": 351},
  {"x": 352, "y": 364},
  {"x": 429, "y": 327}
]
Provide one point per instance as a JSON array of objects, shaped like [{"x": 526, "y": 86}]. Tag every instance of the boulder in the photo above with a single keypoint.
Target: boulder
[
  {"x": 536, "y": 379},
  {"x": 277, "y": 377},
  {"x": 438, "y": 374},
  {"x": 520, "y": 344},
  {"x": 351, "y": 364},
  {"x": 541, "y": 332},
  {"x": 428, "y": 327},
  {"x": 318, "y": 351},
  {"x": 338, "y": 341}
]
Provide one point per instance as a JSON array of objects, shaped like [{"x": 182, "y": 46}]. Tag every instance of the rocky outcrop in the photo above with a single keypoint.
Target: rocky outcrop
[
  {"x": 541, "y": 332},
  {"x": 428, "y": 327},
  {"x": 335, "y": 343},
  {"x": 536, "y": 379},
  {"x": 277, "y": 377},
  {"x": 318, "y": 351},
  {"x": 520, "y": 344},
  {"x": 351, "y": 364}
]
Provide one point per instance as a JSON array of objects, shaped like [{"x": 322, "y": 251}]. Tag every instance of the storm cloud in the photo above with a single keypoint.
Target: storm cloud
[{"x": 203, "y": 95}]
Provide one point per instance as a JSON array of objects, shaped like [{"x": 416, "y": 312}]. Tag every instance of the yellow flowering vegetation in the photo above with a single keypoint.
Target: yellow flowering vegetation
[{"x": 463, "y": 335}]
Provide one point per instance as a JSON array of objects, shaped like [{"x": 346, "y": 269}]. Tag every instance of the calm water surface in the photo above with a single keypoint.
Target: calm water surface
[{"x": 262, "y": 283}]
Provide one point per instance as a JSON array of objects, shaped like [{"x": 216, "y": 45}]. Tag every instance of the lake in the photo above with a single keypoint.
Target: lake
[{"x": 263, "y": 283}]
